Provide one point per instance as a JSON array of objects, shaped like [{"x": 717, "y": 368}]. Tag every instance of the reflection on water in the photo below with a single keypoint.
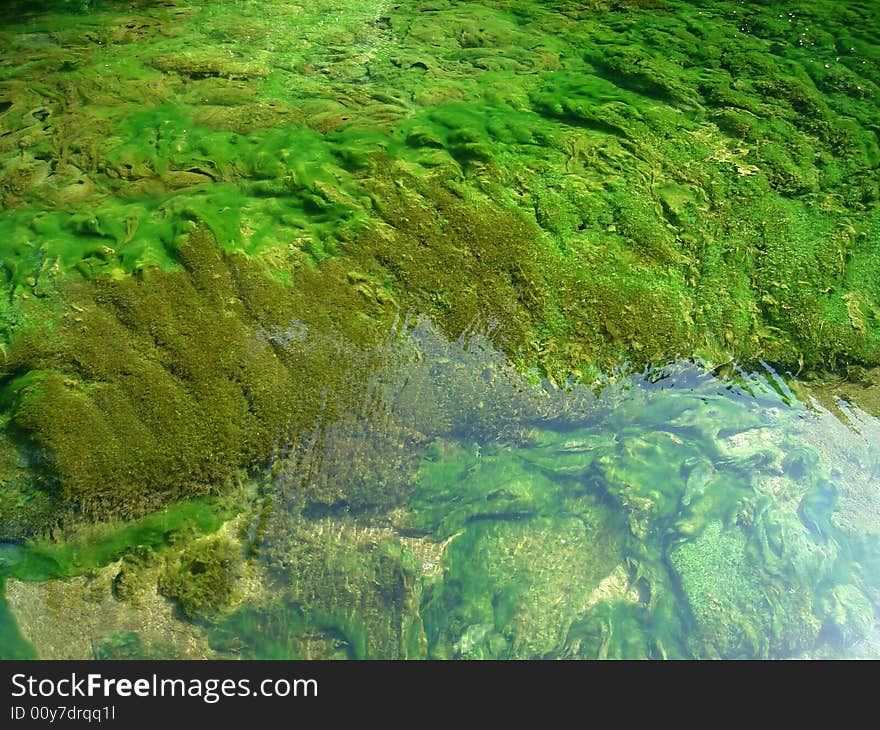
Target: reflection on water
[{"x": 466, "y": 511}]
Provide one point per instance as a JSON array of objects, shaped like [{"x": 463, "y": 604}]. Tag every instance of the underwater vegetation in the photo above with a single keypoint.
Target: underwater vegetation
[
  {"x": 677, "y": 514},
  {"x": 439, "y": 329},
  {"x": 598, "y": 183}
]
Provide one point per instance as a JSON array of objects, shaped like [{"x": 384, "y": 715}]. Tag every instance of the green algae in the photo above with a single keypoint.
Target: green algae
[
  {"x": 104, "y": 544},
  {"x": 497, "y": 602},
  {"x": 206, "y": 244},
  {"x": 86, "y": 550},
  {"x": 201, "y": 579},
  {"x": 685, "y": 517},
  {"x": 191, "y": 389},
  {"x": 721, "y": 582},
  {"x": 675, "y": 515},
  {"x": 625, "y": 136},
  {"x": 696, "y": 511},
  {"x": 368, "y": 597}
]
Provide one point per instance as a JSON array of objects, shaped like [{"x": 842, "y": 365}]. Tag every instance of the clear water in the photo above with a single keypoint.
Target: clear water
[
  {"x": 409, "y": 330},
  {"x": 674, "y": 514}
]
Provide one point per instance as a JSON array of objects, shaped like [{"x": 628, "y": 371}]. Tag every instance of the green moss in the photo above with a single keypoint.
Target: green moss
[
  {"x": 585, "y": 134},
  {"x": 156, "y": 387},
  {"x": 95, "y": 545},
  {"x": 214, "y": 214},
  {"x": 200, "y": 580}
]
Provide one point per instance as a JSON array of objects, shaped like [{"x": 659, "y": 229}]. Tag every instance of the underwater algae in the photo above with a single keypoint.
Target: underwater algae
[
  {"x": 677, "y": 514},
  {"x": 372, "y": 308}
]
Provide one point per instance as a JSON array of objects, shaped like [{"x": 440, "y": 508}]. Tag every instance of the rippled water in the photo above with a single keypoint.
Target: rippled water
[{"x": 463, "y": 511}]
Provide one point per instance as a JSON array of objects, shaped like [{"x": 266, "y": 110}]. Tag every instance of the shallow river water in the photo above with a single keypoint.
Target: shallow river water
[{"x": 455, "y": 330}]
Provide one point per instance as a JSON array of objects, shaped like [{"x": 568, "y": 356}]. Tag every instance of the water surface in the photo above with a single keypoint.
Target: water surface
[{"x": 506, "y": 329}]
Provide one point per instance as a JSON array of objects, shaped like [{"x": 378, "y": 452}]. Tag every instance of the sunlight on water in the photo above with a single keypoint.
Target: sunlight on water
[
  {"x": 674, "y": 514},
  {"x": 317, "y": 326}
]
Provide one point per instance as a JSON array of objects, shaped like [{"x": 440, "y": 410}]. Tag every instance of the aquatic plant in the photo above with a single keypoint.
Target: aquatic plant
[{"x": 200, "y": 578}]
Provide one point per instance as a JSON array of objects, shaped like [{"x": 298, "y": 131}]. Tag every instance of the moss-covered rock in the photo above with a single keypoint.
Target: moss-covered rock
[
  {"x": 200, "y": 580},
  {"x": 735, "y": 611},
  {"x": 516, "y": 586}
]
